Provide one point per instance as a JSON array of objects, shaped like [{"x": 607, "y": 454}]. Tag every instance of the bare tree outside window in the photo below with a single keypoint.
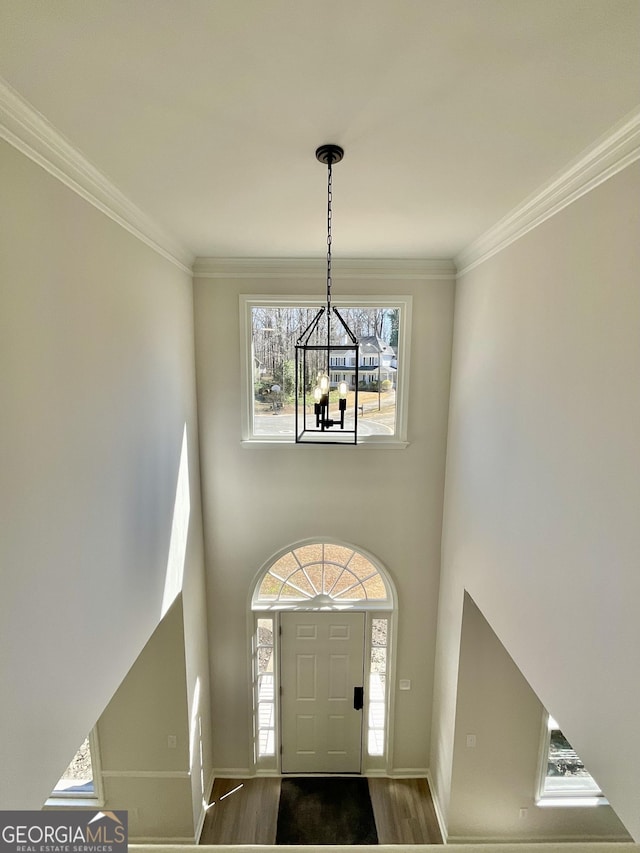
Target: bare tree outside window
[{"x": 275, "y": 330}]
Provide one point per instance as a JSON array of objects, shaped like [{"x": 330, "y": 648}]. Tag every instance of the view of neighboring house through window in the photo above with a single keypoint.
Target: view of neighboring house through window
[
  {"x": 565, "y": 776},
  {"x": 274, "y": 327}
]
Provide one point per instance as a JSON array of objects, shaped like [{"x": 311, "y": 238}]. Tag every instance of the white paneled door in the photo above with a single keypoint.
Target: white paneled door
[{"x": 321, "y": 673}]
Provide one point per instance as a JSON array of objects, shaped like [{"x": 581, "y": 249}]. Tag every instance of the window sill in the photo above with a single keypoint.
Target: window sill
[
  {"x": 262, "y": 444},
  {"x": 73, "y": 803},
  {"x": 572, "y": 802}
]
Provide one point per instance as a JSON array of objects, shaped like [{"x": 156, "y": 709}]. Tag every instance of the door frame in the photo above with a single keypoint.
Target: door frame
[{"x": 269, "y": 764}]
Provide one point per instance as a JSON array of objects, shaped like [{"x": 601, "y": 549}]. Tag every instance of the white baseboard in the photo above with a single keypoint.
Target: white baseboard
[
  {"x": 438, "y": 810},
  {"x": 233, "y": 772},
  {"x": 246, "y": 773},
  {"x": 408, "y": 773},
  {"x": 146, "y": 774},
  {"x": 586, "y": 842},
  {"x": 158, "y": 839}
]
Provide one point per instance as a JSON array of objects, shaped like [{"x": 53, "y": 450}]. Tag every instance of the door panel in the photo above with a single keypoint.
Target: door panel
[
  {"x": 338, "y": 677},
  {"x": 306, "y": 681},
  {"x": 321, "y": 661}
]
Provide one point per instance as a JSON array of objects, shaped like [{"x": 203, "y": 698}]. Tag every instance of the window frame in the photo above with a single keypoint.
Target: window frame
[
  {"x": 373, "y": 762},
  {"x": 559, "y": 798},
  {"x": 305, "y": 601},
  {"x": 79, "y": 799},
  {"x": 264, "y": 757},
  {"x": 378, "y": 763},
  {"x": 249, "y": 301},
  {"x": 379, "y": 755}
]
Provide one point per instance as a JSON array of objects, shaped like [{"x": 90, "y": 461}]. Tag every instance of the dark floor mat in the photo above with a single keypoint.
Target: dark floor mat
[{"x": 327, "y": 810}]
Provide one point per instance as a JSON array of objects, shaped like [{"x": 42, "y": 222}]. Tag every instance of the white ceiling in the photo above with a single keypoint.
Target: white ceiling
[{"x": 206, "y": 113}]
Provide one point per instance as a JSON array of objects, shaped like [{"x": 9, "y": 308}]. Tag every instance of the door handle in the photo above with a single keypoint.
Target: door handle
[{"x": 358, "y": 698}]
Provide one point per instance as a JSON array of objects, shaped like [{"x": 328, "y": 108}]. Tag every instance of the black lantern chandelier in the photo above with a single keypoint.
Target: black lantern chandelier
[{"x": 326, "y": 383}]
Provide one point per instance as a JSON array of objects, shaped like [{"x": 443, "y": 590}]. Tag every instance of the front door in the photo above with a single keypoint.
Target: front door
[{"x": 321, "y": 672}]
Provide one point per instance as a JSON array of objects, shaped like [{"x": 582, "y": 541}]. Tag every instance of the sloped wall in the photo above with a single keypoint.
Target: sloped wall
[
  {"x": 141, "y": 772},
  {"x": 495, "y": 780},
  {"x": 543, "y": 480},
  {"x": 97, "y": 378}
]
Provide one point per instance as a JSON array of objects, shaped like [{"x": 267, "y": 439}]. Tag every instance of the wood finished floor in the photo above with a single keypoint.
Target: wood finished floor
[{"x": 245, "y": 811}]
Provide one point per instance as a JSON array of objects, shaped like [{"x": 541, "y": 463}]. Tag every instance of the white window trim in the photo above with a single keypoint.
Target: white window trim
[
  {"x": 264, "y": 761},
  {"x": 557, "y": 799},
  {"x": 74, "y": 800},
  {"x": 370, "y": 760},
  {"x": 404, "y": 303}
]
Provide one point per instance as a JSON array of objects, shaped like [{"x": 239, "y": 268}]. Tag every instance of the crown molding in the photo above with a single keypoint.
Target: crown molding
[
  {"x": 26, "y": 129},
  {"x": 345, "y": 268},
  {"x": 612, "y": 153}
]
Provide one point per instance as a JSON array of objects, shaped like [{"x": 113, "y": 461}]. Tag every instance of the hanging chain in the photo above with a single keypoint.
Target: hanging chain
[{"x": 329, "y": 197}]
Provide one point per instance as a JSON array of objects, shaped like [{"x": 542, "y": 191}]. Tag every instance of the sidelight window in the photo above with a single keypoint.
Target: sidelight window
[
  {"x": 264, "y": 688},
  {"x": 377, "y": 717}
]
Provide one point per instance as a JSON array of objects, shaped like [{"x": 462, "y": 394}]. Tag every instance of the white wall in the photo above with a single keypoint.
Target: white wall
[
  {"x": 543, "y": 481},
  {"x": 97, "y": 381},
  {"x": 258, "y": 501}
]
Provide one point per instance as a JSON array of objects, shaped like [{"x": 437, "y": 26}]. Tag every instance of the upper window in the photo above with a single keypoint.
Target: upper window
[
  {"x": 271, "y": 327},
  {"x": 564, "y": 778}
]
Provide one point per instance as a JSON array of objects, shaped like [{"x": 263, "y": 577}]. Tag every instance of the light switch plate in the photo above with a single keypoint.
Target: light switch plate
[{"x": 404, "y": 684}]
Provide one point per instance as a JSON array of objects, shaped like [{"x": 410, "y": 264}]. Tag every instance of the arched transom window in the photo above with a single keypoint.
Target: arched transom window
[{"x": 322, "y": 575}]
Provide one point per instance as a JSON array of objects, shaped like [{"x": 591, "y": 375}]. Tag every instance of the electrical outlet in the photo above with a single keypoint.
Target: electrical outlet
[
  {"x": 404, "y": 684},
  {"x": 172, "y": 741},
  {"x": 523, "y": 813},
  {"x": 471, "y": 741}
]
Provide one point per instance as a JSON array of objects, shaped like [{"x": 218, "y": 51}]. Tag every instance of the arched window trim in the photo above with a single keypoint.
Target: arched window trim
[{"x": 323, "y": 600}]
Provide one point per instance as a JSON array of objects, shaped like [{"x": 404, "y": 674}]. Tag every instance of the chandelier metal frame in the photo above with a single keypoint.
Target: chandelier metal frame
[{"x": 320, "y": 422}]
